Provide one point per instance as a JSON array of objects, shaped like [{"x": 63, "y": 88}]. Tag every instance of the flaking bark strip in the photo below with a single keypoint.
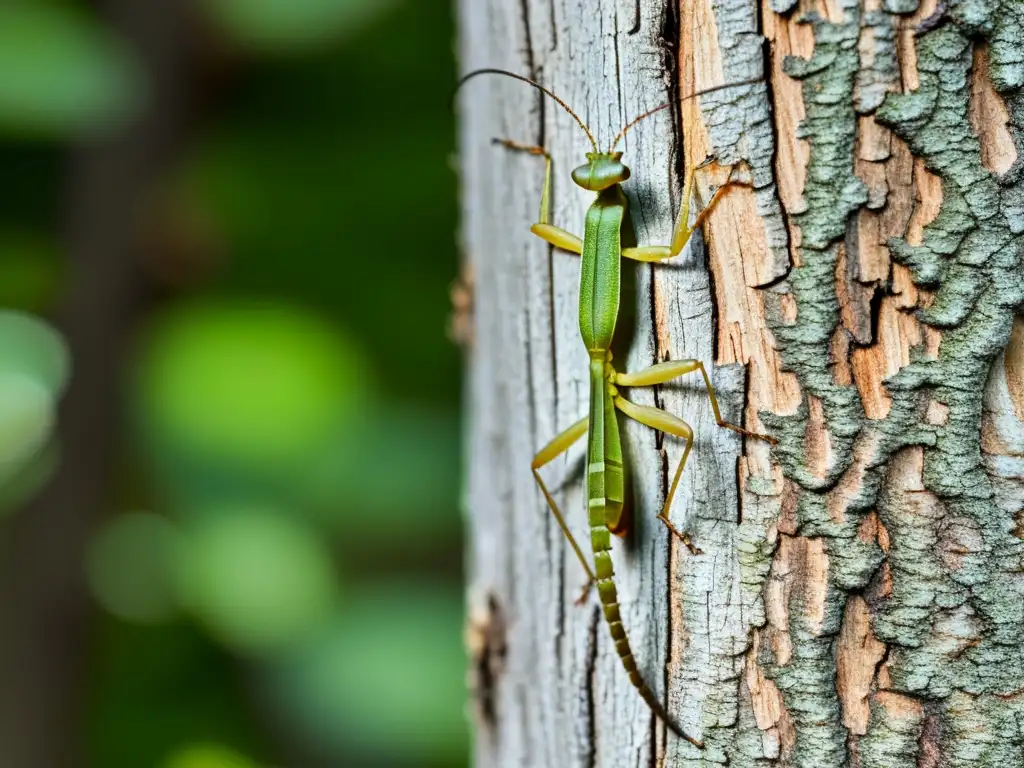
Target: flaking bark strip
[
  {"x": 832, "y": 193},
  {"x": 724, "y": 595},
  {"x": 879, "y": 68},
  {"x": 739, "y": 123}
]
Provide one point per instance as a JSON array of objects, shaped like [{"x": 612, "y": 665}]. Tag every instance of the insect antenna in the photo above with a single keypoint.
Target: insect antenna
[
  {"x": 536, "y": 85},
  {"x": 693, "y": 95}
]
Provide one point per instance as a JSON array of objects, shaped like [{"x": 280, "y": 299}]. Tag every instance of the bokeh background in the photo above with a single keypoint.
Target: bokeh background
[{"x": 229, "y": 429}]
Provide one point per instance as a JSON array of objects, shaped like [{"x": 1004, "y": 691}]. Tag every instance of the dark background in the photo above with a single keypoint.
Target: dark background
[{"x": 229, "y": 438}]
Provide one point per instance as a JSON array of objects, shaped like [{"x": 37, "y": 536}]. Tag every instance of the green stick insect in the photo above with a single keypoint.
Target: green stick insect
[{"x": 601, "y": 251}]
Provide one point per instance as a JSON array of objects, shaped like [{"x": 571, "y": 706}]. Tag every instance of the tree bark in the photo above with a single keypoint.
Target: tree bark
[{"x": 860, "y": 597}]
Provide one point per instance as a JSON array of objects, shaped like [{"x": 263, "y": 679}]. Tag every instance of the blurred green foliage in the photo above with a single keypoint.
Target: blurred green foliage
[
  {"x": 253, "y": 385},
  {"x": 378, "y": 679},
  {"x": 31, "y": 271},
  {"x": 63, "y": 74},
  {"x": 208, "y": 756},
  {"x": 294, "y": 25},
  {"x": 33, "y": 372},
  {"x": 261, "y": 580},
  {"x": 292, "y": 595},
  {"x": 148, "y": 547}
]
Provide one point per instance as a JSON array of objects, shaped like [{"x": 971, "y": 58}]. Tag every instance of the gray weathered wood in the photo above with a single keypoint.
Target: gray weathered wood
[{"x": 563, "y": 698}]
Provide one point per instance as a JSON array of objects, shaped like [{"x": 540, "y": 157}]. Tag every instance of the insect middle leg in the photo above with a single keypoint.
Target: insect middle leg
[
  {"x": 666, "y": 422},
  {"x": 544, "y": 229},
  {"x": 559, "y": 445},
  {"x": 683, "y": 230},
  {"x": 662, "y": 373}
]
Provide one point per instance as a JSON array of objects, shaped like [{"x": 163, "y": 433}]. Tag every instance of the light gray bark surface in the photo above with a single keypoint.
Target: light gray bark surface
[{"x": 858, "y": 601}]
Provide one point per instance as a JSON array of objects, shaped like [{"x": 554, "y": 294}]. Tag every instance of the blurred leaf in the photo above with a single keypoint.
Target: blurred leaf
[
  {"x": 29, "y": 347},
  {"x": 258, "y": 579},
  {"x": 28, "y": 477},
  {"x": 293, "y": 25},
  {"x": 387, "y": 678},
  {"x": 34, "y": 364},
  {"x": 153, "y": 690},
  {"x": 298, "y": 176},
  {"x": 130, "y": 565},
  {"x": 259, "y": 386},
  {"x": 208, "y": 756},
  {"x": 31, "y": 270},
  {"x": 389, "y": 474},
  {"x": 60, "y": 73},
  {"x": 27, "y": 417}
]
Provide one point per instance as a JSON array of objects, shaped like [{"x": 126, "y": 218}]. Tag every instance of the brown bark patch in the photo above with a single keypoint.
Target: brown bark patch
[
  {"x": 839, "y": 349},
  {"x": 765, "y": 697},
  {"x": 800, "y": 568},
  {"x": 788, "y": 38},
  {"x": 485, "y": 639},
  {"x": 849, "y": 485},
  {"x": 1013, "y": 364},
  {"x": 899, "y": 707},
  {"x": 661, "y": 328},
  {"x": 930, "y": 754},
  {"x": 990, "y": 118},
  {"x": 854, "y": 299},
  {"x": 928, "y": 201},
  {"x": 937, "y": 414},
  {"x": 857, "y": 658},
  {"x": 906, "y": 44},
  {"x": 817, "y": 444}
]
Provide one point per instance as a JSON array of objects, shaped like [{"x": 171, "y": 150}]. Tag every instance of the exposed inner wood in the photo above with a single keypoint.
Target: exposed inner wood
[
  {"x": 1014, "y": 367},
  {"x": 857, "y": 657},
  {"x": 990, "y": 118}
]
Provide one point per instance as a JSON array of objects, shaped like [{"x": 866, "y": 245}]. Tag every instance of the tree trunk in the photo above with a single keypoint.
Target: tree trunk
[{"x": 860, "y": 596}]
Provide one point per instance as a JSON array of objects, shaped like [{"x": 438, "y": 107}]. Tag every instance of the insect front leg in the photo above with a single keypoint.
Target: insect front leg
[
  {"x": 683, "y": 230},
  {"x": 544, "y": 229}
]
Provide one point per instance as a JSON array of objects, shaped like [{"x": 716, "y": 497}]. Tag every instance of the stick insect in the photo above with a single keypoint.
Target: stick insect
[{"x": 601, "y": 250}]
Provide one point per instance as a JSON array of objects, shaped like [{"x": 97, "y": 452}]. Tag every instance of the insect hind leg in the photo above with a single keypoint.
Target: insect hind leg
[
  {"x": 664, "y": 421},
  {"x": 559, "y": 445}
]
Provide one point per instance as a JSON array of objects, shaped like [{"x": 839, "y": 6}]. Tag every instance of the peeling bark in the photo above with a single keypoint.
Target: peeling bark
[{"x": 860, "y": 599}]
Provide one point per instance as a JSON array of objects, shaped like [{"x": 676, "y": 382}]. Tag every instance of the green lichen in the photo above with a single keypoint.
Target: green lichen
[
  {"x": 954, "y": 621},
  {"x": 972, "y": 247},
  {"x": 832, "y": 194},
  {"x": 899, "y": 6},
  {"x": 892, "y": 740},
  {"x": 875, "y": 76}
]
